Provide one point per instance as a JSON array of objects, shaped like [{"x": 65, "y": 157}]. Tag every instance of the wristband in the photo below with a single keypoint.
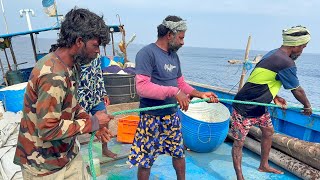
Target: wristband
[{"x": 178, "y": 91}]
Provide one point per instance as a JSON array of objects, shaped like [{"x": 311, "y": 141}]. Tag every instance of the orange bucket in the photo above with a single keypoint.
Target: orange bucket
[{"x": 127, "y": 127}]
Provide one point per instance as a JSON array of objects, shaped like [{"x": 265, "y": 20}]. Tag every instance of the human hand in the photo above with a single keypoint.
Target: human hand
[
  {"x": 307, "y": 111},
  {"x": 103, "y": 118},
  {"x": 183, "y": 100},
  {"x": 106, "y": 100},
  {"x": 213, "y": 97},
  {"x": 103, "y": 135},
  {"x": 280, "y": 102}
]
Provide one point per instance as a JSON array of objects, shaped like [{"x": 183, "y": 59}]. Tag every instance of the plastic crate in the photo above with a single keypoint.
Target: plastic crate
[{"x": 127, "y": 127}]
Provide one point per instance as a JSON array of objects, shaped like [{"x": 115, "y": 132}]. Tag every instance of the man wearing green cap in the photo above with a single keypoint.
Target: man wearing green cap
[{"x": 276, "y": 68}]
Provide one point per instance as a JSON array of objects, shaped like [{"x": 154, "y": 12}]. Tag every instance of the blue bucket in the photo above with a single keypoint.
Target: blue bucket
[
  {"x": 105, "y": 62},
  {"x": 13, "y": 98},
  {"x": 201, "y": 136}
]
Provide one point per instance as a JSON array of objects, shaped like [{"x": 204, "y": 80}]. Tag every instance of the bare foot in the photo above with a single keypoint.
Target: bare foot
[
  {"x": 270, "y": 169},
  {"x": 108, "y": 153}
]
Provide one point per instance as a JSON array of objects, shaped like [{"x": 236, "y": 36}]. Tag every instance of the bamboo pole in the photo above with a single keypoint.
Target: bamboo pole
[
  {"x": 123, "y": 32},
  {"x": 290, "y": 164},
  {"x": 306, "y": 152},
  {"x": 246, "y": 57}
]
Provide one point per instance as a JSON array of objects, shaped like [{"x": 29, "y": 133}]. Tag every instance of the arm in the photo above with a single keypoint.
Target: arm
[
  {"x": 300, "y": 95},
  {"x": 289, "y": 79},
  {"x": 184, "y": 86},
  {"x": 51, "y": 122},
  {"x": 147, "y": 89}
]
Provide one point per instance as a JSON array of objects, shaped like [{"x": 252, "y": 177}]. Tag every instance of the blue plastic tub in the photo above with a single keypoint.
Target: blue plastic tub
[
  {"x": 12, "y": 97},
  {"x": 105, "y": 62},
  {"x": 13, "y": 100},
  {"x": 203, "y": 137},
  {"x": 118, "y": 59}
]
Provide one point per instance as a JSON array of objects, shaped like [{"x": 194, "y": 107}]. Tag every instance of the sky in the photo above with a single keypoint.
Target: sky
[{"x": 211, "y": 23}]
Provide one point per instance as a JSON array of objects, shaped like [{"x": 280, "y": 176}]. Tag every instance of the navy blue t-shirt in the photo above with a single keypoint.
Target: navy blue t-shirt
[
  {"x": 275, "y": 69},
  {"x": 164, "y": 69}
]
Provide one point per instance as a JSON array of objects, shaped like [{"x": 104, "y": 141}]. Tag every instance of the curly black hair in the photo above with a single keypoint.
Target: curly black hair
[
  {"x": 162, "y": 30},
  {"x": 82, "y": 23}
]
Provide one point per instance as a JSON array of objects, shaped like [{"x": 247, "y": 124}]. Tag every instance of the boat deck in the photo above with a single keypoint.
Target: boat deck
[{"x": 214, "y": 165}]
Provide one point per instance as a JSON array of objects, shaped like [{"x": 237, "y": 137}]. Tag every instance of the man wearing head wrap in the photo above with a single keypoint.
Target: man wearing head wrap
[
  {"x": 159, "y": 81},
  {"x": 276, "y": 68}
]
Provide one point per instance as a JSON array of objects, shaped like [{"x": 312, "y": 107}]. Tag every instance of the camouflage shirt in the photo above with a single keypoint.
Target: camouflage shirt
[{"x": 51, "y": 119}]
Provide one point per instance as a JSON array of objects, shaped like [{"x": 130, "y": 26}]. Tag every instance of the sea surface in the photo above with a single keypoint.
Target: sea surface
[{"x": 203, "y": 65}]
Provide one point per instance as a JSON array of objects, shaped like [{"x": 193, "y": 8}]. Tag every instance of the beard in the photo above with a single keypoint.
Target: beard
[
  {"x": 173, "y": 47},
  {"x": 294, "y": 56},
  {"x": 82, "y": 58}
]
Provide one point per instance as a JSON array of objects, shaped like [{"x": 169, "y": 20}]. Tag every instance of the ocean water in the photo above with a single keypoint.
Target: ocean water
[{"x": 202, "y": 65}]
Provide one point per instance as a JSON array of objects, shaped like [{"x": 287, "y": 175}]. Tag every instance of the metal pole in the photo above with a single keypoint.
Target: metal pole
[
  {"x": 57, "y": 17},
  {"x": 26, "y": 11},
  {"x": 246, "y": 57},
  {"x": 105, "y": 50},
  {"x": 112, "y": 40},
  {"x": 4, "y": 17},
  {"x": 5, "y": 53},
  {"x": 13, "y": 57},
  {"x": 3, "y": 73},
  {"x": 28, "y": 20},
  {"x": 33, "y": 47}
]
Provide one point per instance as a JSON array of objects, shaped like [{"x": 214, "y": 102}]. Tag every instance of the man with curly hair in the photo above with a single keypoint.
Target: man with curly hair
[{"x": 52, "y": 117}]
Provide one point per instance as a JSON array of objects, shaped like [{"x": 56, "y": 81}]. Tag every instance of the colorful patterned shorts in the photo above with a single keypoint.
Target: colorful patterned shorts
[
  {"x": 240, "y": 125},
  {"x": 156, "y": 135}
]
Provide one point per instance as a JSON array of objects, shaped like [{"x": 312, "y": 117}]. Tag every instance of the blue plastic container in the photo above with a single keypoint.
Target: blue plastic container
[
  {"x": 118, "y": 59},
  {"x": 13, "y": 98},
  {"x": 105, "y": 62},
  {"x": 203, "y": 137}
]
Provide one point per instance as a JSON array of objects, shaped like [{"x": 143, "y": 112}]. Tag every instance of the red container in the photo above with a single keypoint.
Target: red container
[{"x": 127, "y": 127}]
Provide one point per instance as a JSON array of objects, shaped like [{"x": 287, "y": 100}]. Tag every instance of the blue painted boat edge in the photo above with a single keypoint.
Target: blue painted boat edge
[{"x": 290, "y": 122}]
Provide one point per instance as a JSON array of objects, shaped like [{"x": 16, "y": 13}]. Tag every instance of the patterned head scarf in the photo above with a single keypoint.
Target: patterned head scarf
[
  {"x": 175, "y": 26},
  {"x": 295, "y": 36}
]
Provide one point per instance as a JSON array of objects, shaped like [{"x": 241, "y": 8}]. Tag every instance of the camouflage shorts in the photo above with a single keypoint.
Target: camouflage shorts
[
  {"x": 240, "y": 125},
  {"x": 156, "y": 135}
]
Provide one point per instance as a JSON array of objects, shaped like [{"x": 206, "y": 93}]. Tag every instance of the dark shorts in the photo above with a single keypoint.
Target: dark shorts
[
  {"x": 156, "y": 135},
  {"x": 240, "y": 125}
]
